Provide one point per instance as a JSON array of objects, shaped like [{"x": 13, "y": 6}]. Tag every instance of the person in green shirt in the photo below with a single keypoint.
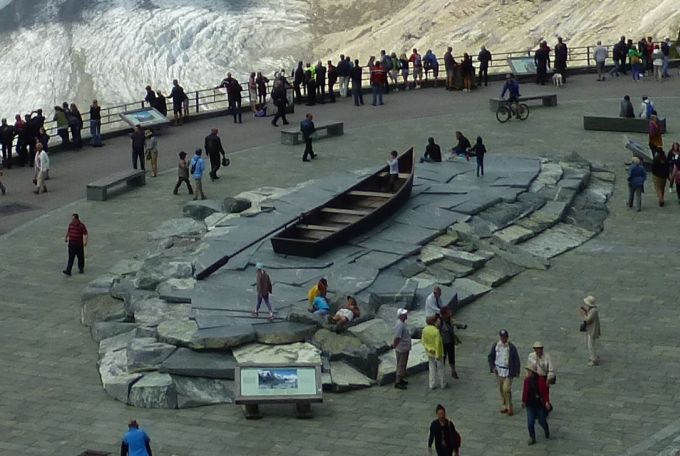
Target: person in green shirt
[{"x": 434, "y": 347}]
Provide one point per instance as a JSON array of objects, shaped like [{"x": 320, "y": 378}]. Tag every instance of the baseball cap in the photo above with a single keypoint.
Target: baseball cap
[
  {"x": 401, "y": 312},
  {"x": 537, "y": 345},
  {"x": 503, "y": 333}
]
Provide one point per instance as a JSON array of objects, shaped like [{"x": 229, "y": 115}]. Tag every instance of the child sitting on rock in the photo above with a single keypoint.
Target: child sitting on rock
[{"x": 346, "y": 314}]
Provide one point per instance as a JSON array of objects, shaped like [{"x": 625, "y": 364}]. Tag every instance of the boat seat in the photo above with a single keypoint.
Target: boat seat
[
  {"x": 400, "y": 175},
  {"x": 376, "y": 194},
  {"x": 335, "y": 210},
  {"x": 317, "y": 227}
]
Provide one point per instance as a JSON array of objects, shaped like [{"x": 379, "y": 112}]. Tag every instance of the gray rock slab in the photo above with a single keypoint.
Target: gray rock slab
[
  {"x": 197, "y": 392},
  {"x": 550, "y": 174},
  {"x": 477, "y": 202},
  {"x": 115, "y": 378},
  {"x": 153, "y": 311},
  {"x": 179, "y": 227},
  {"x": 375, "y": 334},
  {"x": 350, "y": 278},
  {"x": 345, "y": 378},
  {"x": 234, "y": 334},
  {"x": 191, "y": 363},
  {"x": 181, "y": 333},
  {"x": 417, "y": 362},
  {"x": 176, "y": 290},
  {"x": 496, "y": 272},
  {"x": 514, "y": 234},
  {"x": 407, "y": 234},
  {"x": 157, "y": 270},
  {"x": 215, "y": 319},
  {"x": 520, "y": 179},
  {"x": 145, "y": 354},
  {"x": 378, "y": 260},
  {"x": 557, "y": 240},
  {"x": 606, "y": 176},
  {"x": 548, "y": 215},
  {"x": 444, "y": 189},
  {"x": 446, "y": 240},
  {"x": 431, "y": 217},
  {"x": 283, "y": 332},
  {"x": 296, "y": 353},
  {"x": 514, "y": 254},
  {"x": 389, "y": 246},
  {"x": 409, "y": 267},
  {"x": 462, "y": 257},
  {"x": 455, "y": 268},
  {"x": 200, "y": 209},
  {"x": 431, "y": 277},
  {"x": 126, "y": 267},
  {"x": 104, "y": 281},
  {"x": 117, "y": 342},
  {"x": 154, "y": 390},
  {"x": 468, "y": 290},
  {"x": 430, "y": 254},
  {"x": 235, "y": 205},
  {"x": 104, "y": 329},
  {"x": 390, "y": 288},
  {"x": 334, "y": 343},
  {"x": 503, "y": 214},
  {"x": 101, "y": 307}
]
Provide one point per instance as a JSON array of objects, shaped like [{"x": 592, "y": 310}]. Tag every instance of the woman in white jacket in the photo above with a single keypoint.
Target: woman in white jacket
[{"x": 42, "y": 163}]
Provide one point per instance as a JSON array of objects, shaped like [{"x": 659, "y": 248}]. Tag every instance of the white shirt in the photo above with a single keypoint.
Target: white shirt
[
  {"x": 44, "y": 162},
  {"x": 544, "y": 364},
  {"x": 432, "y": 305},
  {"x": 643, "y": 108},
  {"x": 502, "y": 359},
  {"x": 600, "y": 54},
  {"x": 394, "y": 166}
]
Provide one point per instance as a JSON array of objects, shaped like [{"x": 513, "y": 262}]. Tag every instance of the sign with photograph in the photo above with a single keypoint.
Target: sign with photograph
[
  {"x": 276, "y": 382},
  {"x": 144, "y": 117},
  {"x": 522, "y": 66}
]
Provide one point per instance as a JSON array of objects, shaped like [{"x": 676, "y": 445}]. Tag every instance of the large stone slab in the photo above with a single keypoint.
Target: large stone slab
[
  {"x": 465, "y": 258},
  {"x": 154, "y": 390},
  {"x": 181, "y": 333},
  {"x": 347, "y": 347},
  {"x": 455, "y": 268},
  {"x": 514, "y": 234},
  {"x": 430, "y": 217},
  {"x": 468, "y": 290},
  {"x": 145, "y": 354},
  {"x": 179, "y": 227},
  {"x": 200, "y": 209},
  {"x": 104, "y": 329},
  {"x": 191, "y": 363},
  {"x": 126, "y": 267},
  {"x": 389, "y": 288},
  {"x": 375, "y": 334},
  {"x": 153, "y": 311},
  {"x": 101, "y": 307},
  {"x": 115, "y": 378},
  {"x": 496, "y": 272},
  {"x": 430, "y": 254},
  {"x": 283, "y": 332},
  {"x": 550, "y": 174},
  {"x": 385, "y": 245},
  {"x": 407, "y": 234},
  {"x": 196, "y": 392},
  {"x": 297, "y": 353},
  {"x": 233, "y": 334},
  {"x": 351, "y": 278},
  {"x": 557, "y": 240},
  {"x": 417, "y": 362},
  {"x": 477, "y": 202},
  {"x": 158, "y": 269},
  {"x": 345, "y": 378},
  {"x": 117, "y": 342}
]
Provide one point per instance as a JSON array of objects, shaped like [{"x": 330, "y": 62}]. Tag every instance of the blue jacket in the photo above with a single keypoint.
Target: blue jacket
[
  {"x": 307, "y": 128},
  {"x": 637, "y": 176},
  {"x": 200, "y": 166},
  {"x": 513, "y": 361},
  {"x": 511, "y": 86}
]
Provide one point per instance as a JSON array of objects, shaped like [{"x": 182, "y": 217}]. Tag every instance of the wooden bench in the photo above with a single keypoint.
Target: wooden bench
[
  {"x": 548, "y": 99},
  {"x": 625, "y": 124},
  {"x": 98, "y": 190},
  {"x": 293, "y": 136}
]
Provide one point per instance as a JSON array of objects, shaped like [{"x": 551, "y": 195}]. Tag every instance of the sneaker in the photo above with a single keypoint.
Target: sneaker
[
  {"x": 531, "y": 442},
  {"x": 400, "y": 386},
  {"x": 454, "y": 374},
  {"x": 66, "y": 272}
]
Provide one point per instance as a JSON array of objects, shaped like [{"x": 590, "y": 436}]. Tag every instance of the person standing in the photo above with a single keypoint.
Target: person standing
[
  {"x": 62, "y": 126},
  {"x": 536, "y": 400},
  {"x": 601, "y": 53},
  {"x": 417, "y": 62},
  {"x": 666, "y": 52},
  {"x": 332, "y": 80},
  {"x": 393, "y": 171},
  {"x": 660, "y": 173},
  {"x": 183, "y": 174},
  {"x": 151, "y": 150},
  {"x": 196, "y": 168},
  {"x": 264, "y": 289},
  {"x": 3, "y": 189},
  {"x": 618, "y": 55},
  {"x": 468, "y": 71},
  {"x": 449, "y": 65},
  {"x": 135, "y": 441},
  {"x": 402, "y": 347},
  {"x": 378, "y": 81},
  {"x": 261, "y": 83},
  {"x": 76, "y": 124},
  {"x": 356, "y": 73},
  {"x": 252, "y": 92},
  {"x": 310, "y": 84},
  {"x": 636, "y": 184},
  {"x": 177, "y": 94},
  {"x": 95, "y": 124},
  {"x": 280, "y": 99},
  {"x": 449, "y": 337},
  {"x": 404, "y": 63},
  {"x": 561, "y": 55},
  {"x": 655, "y": 135},
  {"x": 234, "y": 90},
  {"x": 138, "y": 143},
  {"x": 431, "y": 64},
  {"x": 484, "y": 59},
  {"x": 657, "y": 62},
  {"x": 393, "y": 70},
  {"x": 479, "y": 150},
  {"x": 43, "y": 167},
  {"x": 635, "y": 58},
  {"x": 433, "y": 302},
  {"x": 674, "y": 165},
  {"x": 298, "y": 79},
  {"x": 542, "y": 62},
  {"x": 76, "y": 238},
  {"x": 7, "y": 138},
  {"x": 544, "y": 366},
  {"x": 321, "y": 81},
  {"x": 504, "y": 363},
  {"x": 307, "y": 128},
  {"x": 343, "y": 69},
  {"x": 591, "y": 326},
  {"x": 443, "y": 435},
  {"x": 215, "y": 151}
]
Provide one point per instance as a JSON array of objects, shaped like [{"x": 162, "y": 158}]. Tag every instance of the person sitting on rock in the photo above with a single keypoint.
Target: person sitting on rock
[
  {"x": 320, "y": 306},
  {"x": 319, "y": 289},
  {"x": 347, "y": 313}
]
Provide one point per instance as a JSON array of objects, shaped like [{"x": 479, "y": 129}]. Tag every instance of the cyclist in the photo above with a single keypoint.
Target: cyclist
[{"x": 512, "y": 87}]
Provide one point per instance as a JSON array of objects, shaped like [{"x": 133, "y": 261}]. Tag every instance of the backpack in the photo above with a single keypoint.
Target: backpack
[
  {"x": 649, "y": 110},
  {"x": 193, "y": 165}
]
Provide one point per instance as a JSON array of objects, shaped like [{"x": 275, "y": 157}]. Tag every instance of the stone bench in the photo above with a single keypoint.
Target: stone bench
[
  {"x": 292, "y": 136},
  {"x": 640, "y": 151},
  {"x": 98, "y": 190},
  {"x": 624, "y": 124},
  {"x": 548, "y": 99}
]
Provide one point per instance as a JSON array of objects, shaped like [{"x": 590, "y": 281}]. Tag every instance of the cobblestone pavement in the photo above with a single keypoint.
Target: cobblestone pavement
[{"x": 51, "y": 402}]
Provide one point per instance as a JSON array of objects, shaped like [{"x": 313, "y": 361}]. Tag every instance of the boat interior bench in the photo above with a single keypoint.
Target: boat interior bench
[
  {"x": 625, "y": 124},
  {"x": 292, "y": 136},
  {"x": 98, "y": 190},
  {"x": 548, "y": 99}
]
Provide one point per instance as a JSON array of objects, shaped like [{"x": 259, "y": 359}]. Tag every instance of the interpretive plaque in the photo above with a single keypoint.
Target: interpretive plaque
[
  {"x": 144, "y": 117},
  {"x": 522, "y": 66}
]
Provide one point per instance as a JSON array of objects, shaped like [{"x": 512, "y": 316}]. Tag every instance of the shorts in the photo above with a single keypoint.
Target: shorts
[
  {"x": 394, "y": 74},
  {"x": 418, "y": 72},
  {"x": 177, "y": 108},
  {"x": 404, "y": 73},
  {"x": 346, "y": 313}
]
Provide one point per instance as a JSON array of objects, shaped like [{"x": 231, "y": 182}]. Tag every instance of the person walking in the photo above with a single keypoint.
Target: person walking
[
  {"x": 601, "y": 53},
  {"x": 484, "y": 59},
  {"x": 7, "y": 138},
  {"x": 536, "y": 401},
  {"x": 43, "y": 167},
  {"x": 138, "y": 143},
  {"x": 76, "y": 239},
  {"x": 635, "y": 58},
  {"x": 3, "y": 189},
  {"x": 449, "y": 337},
  {"x": 307, "y": 128},
  {"x": 215, "y": 152},
  {"x": 434, "y": 347},
  {"x": 674, "y": 167},
  {"x": 660, "y": 173},
  {"x": 151, "y": 151},
  {"x": 544, "y": 366},
  {"x": 504, "y": 363},
  {"x": 402, "y": 347},
  {"x": 636, "y": 184},
  {"x": 655, "y": 135},
  {"x": 183, "y": 174},
  {"x": 135, "y": 441},
  {"x": 280, "y": 99},
  {"x": 196, "y": 168},
  {"x": 591, "y": 326},
  {"x": 95, "y": 124},
  {"x": 264, "y": 289},
  {"x": 479, "y": 150},
  {"x": 561, "y": 56},
  {"x": 178, "y": 96},
  {"x": 443, "y": 435}
]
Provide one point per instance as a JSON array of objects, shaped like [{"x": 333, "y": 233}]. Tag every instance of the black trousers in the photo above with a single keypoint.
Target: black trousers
[
  {"x": 215, "y": 163},
  {"x": 7, "y": 154},
  {"x": 308, "y": 149},
  {"x": 331, "y": 93},
  {"x": 450, "y": 354},
  {"x": 138, "y": 155},
  {"x": 484, "y": 75},
  {"x": 298, "y": 94},
  {"x": 179, "y": 183},
  {"x": 541, "y": 74},
  {"x": 235, "y": 108},
  {"x": 280, "y": 113},
  {"x": 73, "y": 252}
]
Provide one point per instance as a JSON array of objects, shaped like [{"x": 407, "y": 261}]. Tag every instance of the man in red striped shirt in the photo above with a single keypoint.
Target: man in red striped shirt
[{"x": 76, "y": 238}]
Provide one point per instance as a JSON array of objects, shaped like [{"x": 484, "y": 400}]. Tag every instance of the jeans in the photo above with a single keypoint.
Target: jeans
[
  {"x": 235, "y": 109},
  {"x": 308, "y": 149},
  {"x": 480, "y": 166},
  {"x": 635, "y": 193},
  {"x": 537, "y": 412},
  {"x": 264, "y": 298},
  {"x": 63, "y": 134},
  {"x": 358, "y": 95},
  {"x": 96, "y": 132},
  {"x": 179, "y": 183},
  {"x": 664, "y": 67},
  {"x": 377, "y": 90},
  {"x": 484, "y": 75},
  {"x": 600, "y": 70},
  {"x": 77, "y": 138},
  {"x": 635, "y": 69},
  {"x": 450, "y": 354},
  {"x": 74, "y": 251},
  {"x": 7, "y": 154},
  {"x": 616, "y": 68}
]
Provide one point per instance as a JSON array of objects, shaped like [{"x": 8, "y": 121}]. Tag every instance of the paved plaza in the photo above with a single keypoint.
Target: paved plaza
[{"x": 51, "y": 399}]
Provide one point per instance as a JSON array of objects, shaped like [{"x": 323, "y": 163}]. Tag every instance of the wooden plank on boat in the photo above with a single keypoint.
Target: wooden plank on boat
[
  {"x": 401, "y": 175},
  {"x": 335, "y": 210},
  {"x": 317, "y": 227},
  {"x": 375, "y": 194}
]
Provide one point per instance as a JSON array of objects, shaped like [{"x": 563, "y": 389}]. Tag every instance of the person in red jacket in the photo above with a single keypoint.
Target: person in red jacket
[
  {"x": 536, "y": 400},
  {"x": 378, "y": 80}
]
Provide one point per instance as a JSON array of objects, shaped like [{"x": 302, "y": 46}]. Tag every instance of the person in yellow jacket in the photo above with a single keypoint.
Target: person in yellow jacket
[
  {"x": 319, "y": 289},
  {"x": 434, "y": 347}
]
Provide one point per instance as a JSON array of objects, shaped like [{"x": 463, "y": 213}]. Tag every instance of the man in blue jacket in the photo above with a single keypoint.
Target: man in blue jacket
[
  {"x": 197, "y": 167},
  {"x": 504, "y": 363},
  {"x": 135, "y": 441},
  {"x": 307, "y": 128},
  {"x": 511, "y": 86}
]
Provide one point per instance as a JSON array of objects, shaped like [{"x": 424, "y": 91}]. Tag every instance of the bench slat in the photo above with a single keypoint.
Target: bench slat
[
  {"x": 335, "y": 210},
  {"x": 375, "y": 194}
]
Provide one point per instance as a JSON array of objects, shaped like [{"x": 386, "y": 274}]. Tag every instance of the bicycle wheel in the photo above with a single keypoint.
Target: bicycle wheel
[
  {"x": 503, "y": 113},
  {"x": 523, "y": 112}
]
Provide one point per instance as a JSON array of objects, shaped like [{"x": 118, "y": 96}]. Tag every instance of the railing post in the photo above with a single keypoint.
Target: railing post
[
  {"x": 588, "y": 56},
  {"x": 197, "y": 102}
]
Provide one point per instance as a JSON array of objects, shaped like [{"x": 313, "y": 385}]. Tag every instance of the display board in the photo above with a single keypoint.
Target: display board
[
  {"x": 144, "y": 117},
  {"x": 522, "y": 66},
  {"x": 278, "y": 383}
]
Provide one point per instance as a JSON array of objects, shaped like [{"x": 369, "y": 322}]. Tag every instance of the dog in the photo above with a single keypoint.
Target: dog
[{"x": 557, "y": 80}]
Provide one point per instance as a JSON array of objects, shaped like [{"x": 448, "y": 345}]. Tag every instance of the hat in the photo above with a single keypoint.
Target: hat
[
  {"x": 401, "y": 312},
  {"x": 259, "y": 266},
  {"x": 503, "y": 332},
  {"x": 148, "y": 133},
  {"x": 589, "y": 301},
  {"x": 537, "y": 345}
]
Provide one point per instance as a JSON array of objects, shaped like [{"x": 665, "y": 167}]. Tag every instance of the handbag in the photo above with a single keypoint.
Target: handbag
[
  {"x": 225, "y": 161},
  {"x": 582, "y": 328},
  {"x": 148, "y": 155}
]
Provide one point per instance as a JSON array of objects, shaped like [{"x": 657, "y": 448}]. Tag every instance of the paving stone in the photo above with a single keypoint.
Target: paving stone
[
  {"x": 191, "y": 363},
  {"x": 417, "y": 362},
  {"x": 101, "y": 307},
  {"x": 181, "y": 333},
  {"x": 197, "y": 392},
  {"x": 101, "y": 330},
  {"x": 375, "y": 334},
  {"x": 283, "y": 332},
  {"x": 430, "y": 254},
  {"x": 233, "y": 334},
  {"x": 153, "y": 311},
  {"x": 200, "y": 209},
  {"x": 179, "y": 227},
  {"x": 145, "y": 354},
  {"x": 154, "y": 390},
  {"x": 496, "y": 272},
  {"x": 514, "y": 234},
  {"x": 117, "y": 342},
  {"x": 345, "y": 378},
  {"x": 126, "y": 267},
  {"x": 557, "y": 240},
  {"x": 468, "y": 290},
  {"x": 297, "y": 353},
  {"x": 115, "y": 378},
  {"x": 409, "y": 268}
]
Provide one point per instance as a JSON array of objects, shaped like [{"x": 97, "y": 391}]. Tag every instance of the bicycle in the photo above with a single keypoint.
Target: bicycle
[{"x": 507, "y": 110}]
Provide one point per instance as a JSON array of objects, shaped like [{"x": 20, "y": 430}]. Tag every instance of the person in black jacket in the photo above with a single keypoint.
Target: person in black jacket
[
  {"x": 6, "y": 138},
  {"x": 484, "y": 59},
  {"x": 280, "y": 100},
  {"x": 462, "y": 146},
  {"x": 561, "y": 55},
  {"x": 307, "y": 128},
  {"x": 150, "y": 96},
  {"x": 433, "y": 153},
  {"x": 214, "y": 149},
  {"x": 321, "y": 81},
  {"x": 443, "y": 434},
  {"x": 478, "y": 150},
  {"x": 542, "y": 62},
  {"x": 332, "y": 79},
  {"x": 298, "y": 79},
  {"x": 505, "y": 365},
  {"x": 178, "y": 96},
  {"x": 160, "y": 103},
  {"x": 356, "y": 73},
  {"x": 76, "y": 124},
  {"x": 138, "y": 142}
]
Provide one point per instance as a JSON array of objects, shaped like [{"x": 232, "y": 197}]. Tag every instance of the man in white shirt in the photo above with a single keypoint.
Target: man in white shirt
[
  {"x": 504, "y": 363},
  {"x": 433, "y": 302},
  {"x": 43, "y": 167},
  {"x": 543, "y": 363},
  {"x": 600, "y": 54}
]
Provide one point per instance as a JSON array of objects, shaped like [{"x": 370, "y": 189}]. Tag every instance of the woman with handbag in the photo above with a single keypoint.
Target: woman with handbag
[
  {"x": 151, "y": 149},
  {"x": 444, "y": 435},
  {"x": 591, "y": 326}
]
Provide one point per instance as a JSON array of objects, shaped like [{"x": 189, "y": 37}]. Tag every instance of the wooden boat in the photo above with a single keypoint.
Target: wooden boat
[{"x": 348, "y": 214}]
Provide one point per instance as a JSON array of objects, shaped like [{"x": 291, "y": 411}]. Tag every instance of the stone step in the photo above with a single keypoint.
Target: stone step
[
  {"x": 556, "y": 240},
  {"x": 496, "y": 272},
  {"x": 514, "y": 234}
]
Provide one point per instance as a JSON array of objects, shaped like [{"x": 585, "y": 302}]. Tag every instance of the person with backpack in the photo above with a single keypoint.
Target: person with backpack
[
  {"x": 536, "y": 401},
  {"x": 280, "y": 100},
  {"x": 417, "y": 62},
  {"x": 431, "y": 64},
  {"x": 196, "y": 168},
  {"x": 443, "y": 435},
  {"x": 395, "y": 66},
  {"x": 177, "y": 94},
  {"x": 307, "y": 128},
  {"x": 635, "y": 58},
  {"x": 647, "y": 109}
]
